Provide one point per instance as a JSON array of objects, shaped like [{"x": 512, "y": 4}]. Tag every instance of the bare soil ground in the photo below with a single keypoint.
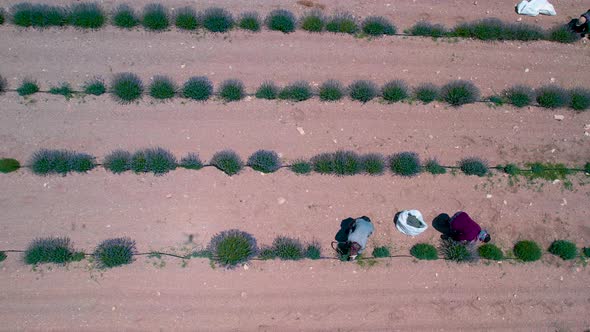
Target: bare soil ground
[{"x": 160, "y": 213}]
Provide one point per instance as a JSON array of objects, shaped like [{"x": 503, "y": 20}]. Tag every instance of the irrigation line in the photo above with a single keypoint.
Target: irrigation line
[
  {"x": 542, "y": 34},
  {"x": 499, "y": 168},
  {"x": 217, "y": 94},
  {"x": 190, "y": 256}
]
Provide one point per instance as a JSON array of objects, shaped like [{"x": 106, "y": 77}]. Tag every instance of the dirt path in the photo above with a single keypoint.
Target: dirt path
[
  {"x": 55, "y": 56},
  {"x": 395, "y": 296}
]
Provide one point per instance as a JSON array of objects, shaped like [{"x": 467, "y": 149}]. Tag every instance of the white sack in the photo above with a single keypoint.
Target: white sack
[
  {"x": 402, "y": 223},
  {"x": 535, "y": 7}
]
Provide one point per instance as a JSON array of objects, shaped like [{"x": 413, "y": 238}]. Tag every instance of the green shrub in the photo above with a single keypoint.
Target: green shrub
[
  {"x": 342, "y": 23},
  {"x": 313, "y": 21},
  {"x": 496, "y": 100},
  {"x": 228, "y": 162},
  {"x": 126, "y": 87},
  {"x": 380, "y": 252},
  {"x": 155, "y": 17},
  {"x": 264, "y": 161},
  {"x": 331, "y": 90},
  {"x": 87, "y": 15},
  {"x": 552, "y": 96},
  {"x": 281, "y": 20},
  {"x": 94, "y": 87},
  {"x": 217, "y": 20},
  {"x": 488, "y": 29},
  {"x": 301, "y": 167},
  {"x": 432, "y": 166},
  {"x": 323, "y": 163},
  {"x": 125, "y": 17},
  {"x": 523, "y": 31},
  {"x": 527, "y": 251},
  {"x": 490, "y": 251},
  {"x": 347, "y": 163},
  {"x": 191, "y": 161},
  {"x": 296, "y": 91},
  {"x": 378, "y": 26},
  {"x": 162, "y": 87},
  {"x": 232, "y": 247},
  {"x": 197, "y": 88},
  {"x": 474, "y": 166},
  {"x": 519, "y": 95},
  {"x": 405, "y": 164},
  {"x": 156, "y": 160},
  {"x": 394, "y": 91},
  {"x": 64, "y": 89},
  {"x": 267, "y": 253},
  {"x": 424, "y": 28},
  {"x": 267, "y": 90},
  {"x": 115, "y": 252},
  {"x": 2, "y": 22},
  {"x": 426, "y": 92},
  {"x": 587, "y": 168},
  {"x": 288, "y": 248},
  {"x": 27, "y": 87},
  {"x": 313, "y": 251},
  {"x": 461, "y": 30},
  {"x": 563, "y": 34},
  {"x": 249, "y": 21},
  {"x": 185, "y": 18},
  {"x": 548, "y": 171},
  {"x": 44, "y": 162},
  {"x": 3, "y": 85},
  {"x": 8, "y": 165},
  {"x": 424, "y": 251},
  {"x": 458, "y": 252},
  {"x": 38, "y": 15},
  {"x": 373, "y": 164},
  {"x": 511, "y": 169},
  {"x": 459, "y": 92},
  {"x": 2, "y": 253},
  {"x": 586, "y": 251},
  {"x": 49, "y": 250},
  {"x": 565, "y": 249},
  {"x": 580, "y": 99},
  {"x": 118, "y": 161},
  {"x": 362, "y": 90},
  {"x": 231, "y": 90}
]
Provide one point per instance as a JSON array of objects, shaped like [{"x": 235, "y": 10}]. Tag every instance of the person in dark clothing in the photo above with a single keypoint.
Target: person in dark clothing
[
  {"x": 464, "y": 229},
  {"x": 581, "y": 25}
]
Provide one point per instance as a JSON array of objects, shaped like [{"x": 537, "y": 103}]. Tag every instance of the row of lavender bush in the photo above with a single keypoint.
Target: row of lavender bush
[
  {"x": 233, "y": 247},
  {"x": 160, "y": 161},
  {"x": 156, "y": 17},
  {"x": 128, "y": 87}
]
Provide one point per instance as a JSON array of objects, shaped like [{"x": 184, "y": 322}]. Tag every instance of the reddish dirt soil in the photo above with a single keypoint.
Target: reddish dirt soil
[{"x": 160, "y": 213}]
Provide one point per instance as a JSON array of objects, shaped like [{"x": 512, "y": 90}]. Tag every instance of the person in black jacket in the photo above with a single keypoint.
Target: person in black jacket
[{"x": 581, "y": 25}]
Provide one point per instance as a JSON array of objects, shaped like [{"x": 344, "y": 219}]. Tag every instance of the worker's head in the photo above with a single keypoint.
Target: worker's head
[{"x": 484, "y": 236}]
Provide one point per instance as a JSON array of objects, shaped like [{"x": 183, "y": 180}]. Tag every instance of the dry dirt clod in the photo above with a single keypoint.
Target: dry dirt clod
[{"x": 559, "y": 117}]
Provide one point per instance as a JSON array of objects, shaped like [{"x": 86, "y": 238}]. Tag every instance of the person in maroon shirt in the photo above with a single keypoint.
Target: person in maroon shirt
[{"x": 464, "y": 229}]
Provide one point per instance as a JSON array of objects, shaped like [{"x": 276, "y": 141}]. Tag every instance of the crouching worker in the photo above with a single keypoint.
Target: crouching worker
[
  {"x": 581, "y": 25},
  {"x": 358, "y": 236},
  {"x": 464, "y": 229}
]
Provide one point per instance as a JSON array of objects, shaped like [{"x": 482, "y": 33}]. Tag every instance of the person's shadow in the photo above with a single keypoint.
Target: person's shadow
[
  {"x": 342, "y": 234},
  {"x": 442, "y": 224}
]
